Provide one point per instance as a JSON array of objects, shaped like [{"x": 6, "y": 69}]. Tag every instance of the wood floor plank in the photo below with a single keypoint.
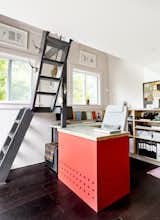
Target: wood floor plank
[{"x": 34, "y": 193}]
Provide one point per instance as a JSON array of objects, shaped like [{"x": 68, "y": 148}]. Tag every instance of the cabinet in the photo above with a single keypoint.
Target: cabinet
[
  {"x": 51, "y": 151},
  {"x": 144, "y": 128},
  {"x": 94, "y": 166}
]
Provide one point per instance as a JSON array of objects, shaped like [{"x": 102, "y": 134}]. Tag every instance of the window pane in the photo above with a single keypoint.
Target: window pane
[
  {"x": 78, "y": 87},
  {"x": 91, "y": 88},
  {"x": 3, "y": 79},
  {"x": 20, "y": 81}
]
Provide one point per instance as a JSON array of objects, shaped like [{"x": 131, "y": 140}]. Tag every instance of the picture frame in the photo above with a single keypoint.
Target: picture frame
[
  {"x": 87, "y": 59},
  {"x": 151, "y": 94},
  {"x": 14, "y": 37}
]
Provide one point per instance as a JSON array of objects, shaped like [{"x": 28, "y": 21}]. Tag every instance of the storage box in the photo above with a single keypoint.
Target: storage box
[
  {"x": 144, "y": 134},
  {"x": 131, "y": 146},
  {"x": 147, "y": 148},
  {"x": 51, "y": 156}
]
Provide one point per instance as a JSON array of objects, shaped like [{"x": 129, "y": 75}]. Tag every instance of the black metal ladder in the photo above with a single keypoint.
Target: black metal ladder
[
  {"x": 13, "y": 142},
  {"x": 24, "y": 117},
  {"x": 55, "y": 45}
]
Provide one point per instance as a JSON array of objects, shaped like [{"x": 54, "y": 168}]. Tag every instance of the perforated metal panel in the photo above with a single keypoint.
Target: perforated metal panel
[
  {"x": 97, "y": 171},
  {"x": 85, "y": 185}
]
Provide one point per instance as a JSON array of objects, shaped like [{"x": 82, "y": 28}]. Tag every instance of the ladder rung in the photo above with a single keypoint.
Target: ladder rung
[
  {"x": 42, "y": 109},
  {"x": 57, "y": 43},
  {"x": 1, "y": 155},
  {"x": 52, "y": 62},
  {"x": 7, "y": 141},
  {"x": 20, "y": 114},
  {"x": 14, "y": 128},
  {"x": 56, "y": 107},
  {"x": 5, "y": 148},
  {"x": 49, "y": 78},
  {"x": 46, "y": 93},
  {"x": 11, "y": 134},
  {"x": 17, "y": 121}
]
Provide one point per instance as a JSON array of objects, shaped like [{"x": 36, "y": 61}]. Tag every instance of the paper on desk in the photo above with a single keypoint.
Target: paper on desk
[{"x": 106, "y": 131}]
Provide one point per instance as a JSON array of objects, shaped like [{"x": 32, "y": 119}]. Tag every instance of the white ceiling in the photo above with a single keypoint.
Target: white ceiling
[{"x": 129, "y": 29}]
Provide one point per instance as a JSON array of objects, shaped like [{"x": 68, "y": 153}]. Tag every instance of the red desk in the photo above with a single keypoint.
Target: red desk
[{"x": 95, "y": 168}]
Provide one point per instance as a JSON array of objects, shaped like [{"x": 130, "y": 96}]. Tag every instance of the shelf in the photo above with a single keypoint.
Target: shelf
[
  {"x": 145, "y": 110},
  {"x": 131, "y": 136},
  {"x": 147, "y": 121},
  {"x": 145, "y": 159},
  {"x": 147, "y": 129},
  {"x": 145, "y": 125},
  {"x": 147, "y": 139}
]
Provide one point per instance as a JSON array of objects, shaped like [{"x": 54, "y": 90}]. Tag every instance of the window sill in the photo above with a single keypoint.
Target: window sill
[
  {"x": 13, "y": 105},
  {"x": 87, "y": 107}
]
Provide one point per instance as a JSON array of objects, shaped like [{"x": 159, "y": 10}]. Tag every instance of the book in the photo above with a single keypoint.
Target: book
[
  {"x": 83, "y": 115},
  {"x": 78, "y": 116},
  {"x": 94, "y": 115},
  {"x": 89, "y": 115}
]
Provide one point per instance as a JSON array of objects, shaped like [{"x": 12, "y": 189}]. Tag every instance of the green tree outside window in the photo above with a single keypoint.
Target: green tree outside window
[
  {"x": 3, "y": 79},
  {"x": 15, "y": 80}
]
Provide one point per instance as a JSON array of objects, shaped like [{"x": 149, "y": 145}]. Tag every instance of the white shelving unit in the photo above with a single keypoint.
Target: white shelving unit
[{"x": 140, "y": 126}]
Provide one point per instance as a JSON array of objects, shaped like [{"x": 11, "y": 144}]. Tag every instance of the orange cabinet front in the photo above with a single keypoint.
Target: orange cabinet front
[{"x": 97, "y": 171}]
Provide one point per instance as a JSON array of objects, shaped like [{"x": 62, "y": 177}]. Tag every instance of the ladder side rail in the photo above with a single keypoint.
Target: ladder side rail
[
  {"x": 53, "y": 105},
  {"x": 11, "y": 153},
  {"x": 64, "y": 72},
  {"x": 43, "y": 49},
  {"x": 64, "y": 90},
  {"x": 64, "y": 98}
]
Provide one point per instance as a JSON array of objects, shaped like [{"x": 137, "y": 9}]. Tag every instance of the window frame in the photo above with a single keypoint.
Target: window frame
[
  {"x": 89, "y": 73},
  {"x": 12, "y": 58}
]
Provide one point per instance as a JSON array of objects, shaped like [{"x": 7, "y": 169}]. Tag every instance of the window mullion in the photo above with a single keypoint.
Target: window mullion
[
  {"x": 86, "y": 81},
  {"x": 9, "y": 79},
  {"x": 85, "y": 85}
]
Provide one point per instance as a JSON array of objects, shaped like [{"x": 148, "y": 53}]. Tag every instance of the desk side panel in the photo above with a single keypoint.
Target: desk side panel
[
  {"x": 77, "y": 166},
  {"x": 113, "y": 170}
]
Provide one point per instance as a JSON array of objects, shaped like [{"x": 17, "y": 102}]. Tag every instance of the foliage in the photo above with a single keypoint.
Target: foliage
[
  {"x": 19, "y": 84},
  {"x": 21, "y": 81},
  {"x": 3, "y": 78}
]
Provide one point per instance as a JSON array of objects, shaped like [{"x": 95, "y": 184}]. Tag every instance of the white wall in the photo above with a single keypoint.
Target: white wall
[
  {"x": 34, "y": 39},
  {"x": 125, "y": 82},
  {"x": 33, "y": 146},
  {"x": 120, "y": 81},
  {"x": 150, "y": 75},
  {"x": 101, "y": 68},
  {"x": 128, "y": 29}
]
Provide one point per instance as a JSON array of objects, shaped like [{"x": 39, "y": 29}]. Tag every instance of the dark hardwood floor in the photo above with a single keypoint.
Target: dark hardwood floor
[{"x": 35, "y": 193}]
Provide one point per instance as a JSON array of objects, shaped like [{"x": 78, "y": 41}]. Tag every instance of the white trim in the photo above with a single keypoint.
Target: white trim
[
  {"x": 15, "y": 57},
  {"x": 12, "y": 106},
  {"x": 18, "y": 58},
  {"x": 98, "y": 75},
  {"x": 13, "y": 103},
  {"x": 6, "y": 30}
]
